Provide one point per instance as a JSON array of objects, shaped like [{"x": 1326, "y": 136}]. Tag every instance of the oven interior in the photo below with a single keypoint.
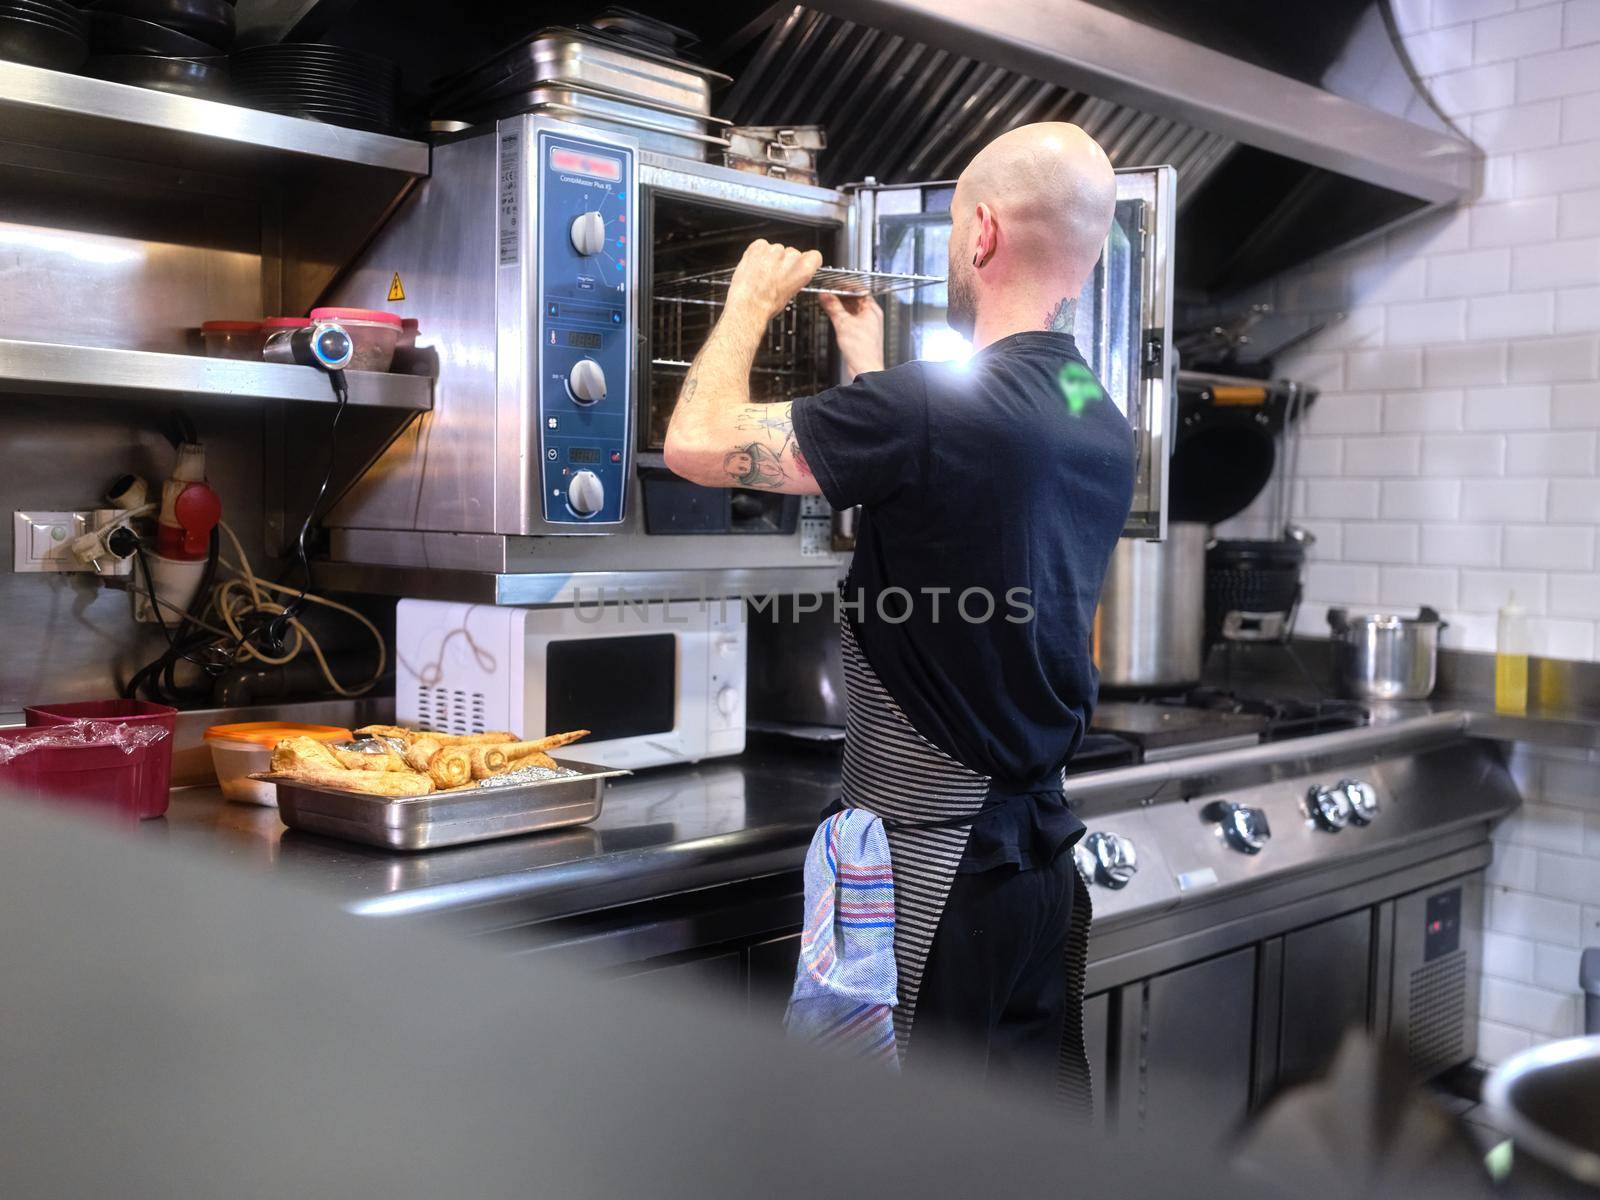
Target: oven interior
[{"x": 686, "y": 237}]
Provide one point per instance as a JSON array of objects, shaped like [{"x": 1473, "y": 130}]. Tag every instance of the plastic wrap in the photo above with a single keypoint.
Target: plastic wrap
[{"x": 79, "y": 735}]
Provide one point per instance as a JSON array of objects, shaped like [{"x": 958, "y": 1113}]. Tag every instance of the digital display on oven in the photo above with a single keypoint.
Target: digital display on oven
[
  {"x": 583, "y": 340},
  {"x": 615, "y": 687},
  {"x": 583, "y": 454},
  {"x": 577, "y": 162}
]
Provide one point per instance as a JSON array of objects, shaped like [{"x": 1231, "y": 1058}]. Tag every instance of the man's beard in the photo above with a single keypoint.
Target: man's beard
[{"x": 962, "y": 300}]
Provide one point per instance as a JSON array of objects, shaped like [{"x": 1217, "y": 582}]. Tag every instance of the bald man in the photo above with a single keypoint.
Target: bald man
[{"x": 992, "y": 495}]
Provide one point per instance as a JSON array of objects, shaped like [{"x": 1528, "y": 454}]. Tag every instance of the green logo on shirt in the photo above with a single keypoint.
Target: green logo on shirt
[{"x": 1079, "y": 386}]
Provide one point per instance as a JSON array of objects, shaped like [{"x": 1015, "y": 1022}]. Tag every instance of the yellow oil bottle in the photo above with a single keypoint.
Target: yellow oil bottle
[{"x": 1511, "y": 659}]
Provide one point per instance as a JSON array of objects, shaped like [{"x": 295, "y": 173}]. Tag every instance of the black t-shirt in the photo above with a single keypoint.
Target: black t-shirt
[{"x": 1010, "y": 474}]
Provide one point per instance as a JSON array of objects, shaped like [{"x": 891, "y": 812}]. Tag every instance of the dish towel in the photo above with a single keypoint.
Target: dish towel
[{"x": 844, "y": 985}]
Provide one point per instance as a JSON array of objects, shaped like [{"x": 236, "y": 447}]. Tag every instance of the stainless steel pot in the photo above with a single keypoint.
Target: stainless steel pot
[
  {"x": 1149, "y": 630},
  {"x": 1547, "y": 1098},
  {"x": 1384, "y": 656}
]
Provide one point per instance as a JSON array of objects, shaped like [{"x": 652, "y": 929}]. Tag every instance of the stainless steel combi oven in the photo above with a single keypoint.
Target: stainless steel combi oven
[{"x": 542, "y": 261}]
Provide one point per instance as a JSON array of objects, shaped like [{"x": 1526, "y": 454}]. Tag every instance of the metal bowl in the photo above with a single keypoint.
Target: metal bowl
[{"x": 1548, "y": 1099}]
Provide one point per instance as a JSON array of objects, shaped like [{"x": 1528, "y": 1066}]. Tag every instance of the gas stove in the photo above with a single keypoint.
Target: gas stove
[{"x": 1205, "y": 720}]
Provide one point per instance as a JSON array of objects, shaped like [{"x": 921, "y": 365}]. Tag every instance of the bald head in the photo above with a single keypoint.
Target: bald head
[{"x": 1028, "y": 221}]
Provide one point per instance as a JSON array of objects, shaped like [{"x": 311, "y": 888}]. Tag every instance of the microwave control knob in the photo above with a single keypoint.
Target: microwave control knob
[
  {"x": 588, "y": 233},
  {"x": 1363, "y": 800},
  {"x": 1329, "y": 807},
  {"x": 586, "y": 381},
  {"x": 1115, "y": 862},
  {"x": 586, "y": 495},
  {"x": 728, "y": 701}
]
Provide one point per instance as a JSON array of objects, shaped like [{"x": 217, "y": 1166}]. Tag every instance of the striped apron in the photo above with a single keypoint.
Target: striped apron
[{"x": 892, "y": 770}]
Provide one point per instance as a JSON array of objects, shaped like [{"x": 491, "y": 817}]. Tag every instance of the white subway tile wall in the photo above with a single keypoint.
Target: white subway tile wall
[
  {"x": 1452, "y": 458},
  {"x": 1454, "y": 454},
  {"x": 1542, "y": 902}
]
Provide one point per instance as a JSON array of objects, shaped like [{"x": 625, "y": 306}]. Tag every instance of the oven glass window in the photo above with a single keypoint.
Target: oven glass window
[
  {"x": 689, "y": 238},
  {"x": 615, "y": 687}
]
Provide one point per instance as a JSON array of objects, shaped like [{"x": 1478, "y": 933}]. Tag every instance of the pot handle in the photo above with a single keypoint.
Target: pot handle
[
  {"x": 1430, "y": 615},
  {"x": 1338, "y": 619}
]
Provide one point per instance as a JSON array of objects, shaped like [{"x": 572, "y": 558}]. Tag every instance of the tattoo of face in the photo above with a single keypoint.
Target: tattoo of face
[
  {"x": 1063, "y": 316},
  {"x": 754, "y": 466}
]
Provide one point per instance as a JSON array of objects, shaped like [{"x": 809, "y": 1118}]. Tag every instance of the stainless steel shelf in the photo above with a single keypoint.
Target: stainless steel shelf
[
  {"x": 94, "y": 116},
  {"x": 47, "y": 369}
]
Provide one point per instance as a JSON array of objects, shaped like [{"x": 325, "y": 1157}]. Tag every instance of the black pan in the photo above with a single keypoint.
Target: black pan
[
  {"x": 307, "y": 54},
  {"x": 115, "y": 34},
  {"x": 205, "y": 78},
  {"x": 317, "y": 96},
  {"x": 211, "y": 21},
  {"x": 41, "y": 45},
  {"x": 48, "y": 12},
  {"x": 348, "y": 83}
]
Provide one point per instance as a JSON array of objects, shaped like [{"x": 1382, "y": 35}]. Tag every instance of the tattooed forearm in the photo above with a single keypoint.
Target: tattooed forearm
[{"x": 1063, "y": 316}]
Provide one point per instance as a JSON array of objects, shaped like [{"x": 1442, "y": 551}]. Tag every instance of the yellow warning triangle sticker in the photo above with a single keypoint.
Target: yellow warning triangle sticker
[{"x": 397, "y": 290}]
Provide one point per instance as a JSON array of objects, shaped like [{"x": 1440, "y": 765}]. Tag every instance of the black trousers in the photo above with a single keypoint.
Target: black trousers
[{"x": 994, "y": 992}]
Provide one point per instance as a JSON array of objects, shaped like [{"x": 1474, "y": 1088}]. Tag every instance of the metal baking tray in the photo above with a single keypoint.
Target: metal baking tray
[
  {"x": 450, "y": 818},
  {"x": 584, "y": 56}
]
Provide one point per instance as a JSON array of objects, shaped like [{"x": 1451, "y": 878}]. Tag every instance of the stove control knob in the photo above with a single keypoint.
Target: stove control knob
[
  {"x": 1115, "y": 861},
  {"x": 1084, "y": 861},
  {"x": 1363, "y": 800},
  {"x": 586, "y": 382},
  {"x": 586, "y": 495},
  {"x": 1244, "y": 828},
  {"x": 1329, "y": 807},
  {"x": 588, "y": 233}
]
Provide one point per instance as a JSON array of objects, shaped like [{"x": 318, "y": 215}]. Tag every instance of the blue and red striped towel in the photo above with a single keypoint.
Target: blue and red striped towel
[{"x": 844, "y": 986}]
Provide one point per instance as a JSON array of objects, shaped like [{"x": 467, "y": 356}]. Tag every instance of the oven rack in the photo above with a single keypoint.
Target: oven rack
[
  {"x": 678, "y": 364},
  {"x": 709, "y": 286}
]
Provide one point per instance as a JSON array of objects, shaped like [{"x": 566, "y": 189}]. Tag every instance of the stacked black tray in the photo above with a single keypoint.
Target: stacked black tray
[
  {"x": 44, "y": 33},
  {"x": 171, "y": 45},
  {"x": 322, "y": 83}
]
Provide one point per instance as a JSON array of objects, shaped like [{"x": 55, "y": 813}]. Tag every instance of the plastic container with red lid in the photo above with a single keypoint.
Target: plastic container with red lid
[
  {"x": 238, "y": 751},
  {"x": 374, "y": 333},
  {"x": 233, "y": 339},
  {"x": 274, "y": 323}
]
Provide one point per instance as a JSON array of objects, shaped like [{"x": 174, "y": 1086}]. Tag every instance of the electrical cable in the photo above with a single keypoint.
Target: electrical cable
[
  {"x": 239, "y": 600},
  {"x": 279, "y": 626}
]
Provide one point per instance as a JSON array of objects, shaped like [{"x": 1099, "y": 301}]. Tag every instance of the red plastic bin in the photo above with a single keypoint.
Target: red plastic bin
[
  {"x": 154, "y": 761},
  {"x": 102, "y": 776}
]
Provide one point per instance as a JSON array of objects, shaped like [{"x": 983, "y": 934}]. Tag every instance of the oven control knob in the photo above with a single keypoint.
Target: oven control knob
[
  {"x": 1363, "y": 799},
  {"x": 588, "y": 233},
  {"x": 1244, "y": 828},
  {"x": 727, "y": 701},
  {"x": 1115, "y": 862},
  {"x": 586, "y": 495},
  {"x": 586, "y": 382},
  {"x": 1329, "y": 807}
]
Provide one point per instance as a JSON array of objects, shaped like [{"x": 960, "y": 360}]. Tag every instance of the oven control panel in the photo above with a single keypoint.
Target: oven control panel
[{"x": 585, "y": 326}]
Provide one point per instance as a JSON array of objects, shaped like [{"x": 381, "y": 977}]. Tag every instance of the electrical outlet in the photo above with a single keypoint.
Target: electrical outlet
[{"x": 42, "y": 541}]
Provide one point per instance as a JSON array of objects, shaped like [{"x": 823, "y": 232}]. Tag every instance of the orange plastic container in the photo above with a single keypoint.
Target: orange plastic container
[{"x": 237, "y": 751}]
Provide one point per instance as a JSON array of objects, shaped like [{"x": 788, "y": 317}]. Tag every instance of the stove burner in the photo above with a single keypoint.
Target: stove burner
[{"x": 1285, "y": 718}]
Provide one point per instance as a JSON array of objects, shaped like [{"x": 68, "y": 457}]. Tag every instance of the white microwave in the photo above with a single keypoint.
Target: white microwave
[{"x": 655, "y": 683}]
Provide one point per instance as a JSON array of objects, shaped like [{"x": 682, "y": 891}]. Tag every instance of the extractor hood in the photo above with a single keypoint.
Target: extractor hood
[{"x": 1294, "y": 128}]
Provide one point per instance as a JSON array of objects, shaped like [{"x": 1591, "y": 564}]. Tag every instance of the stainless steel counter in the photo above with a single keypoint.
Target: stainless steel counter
[{"x": 670, "y": 831}]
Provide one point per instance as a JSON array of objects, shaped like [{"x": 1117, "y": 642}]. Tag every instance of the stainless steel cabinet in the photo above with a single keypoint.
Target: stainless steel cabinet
[
  {"x": 1184, "y": 1050},
  {"x": 1123, "y": 316},
  {"x": 1326, "y": 992}
]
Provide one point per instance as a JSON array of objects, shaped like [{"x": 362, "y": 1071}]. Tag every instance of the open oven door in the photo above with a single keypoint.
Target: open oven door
[{"x": 1124, "y": 314}]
